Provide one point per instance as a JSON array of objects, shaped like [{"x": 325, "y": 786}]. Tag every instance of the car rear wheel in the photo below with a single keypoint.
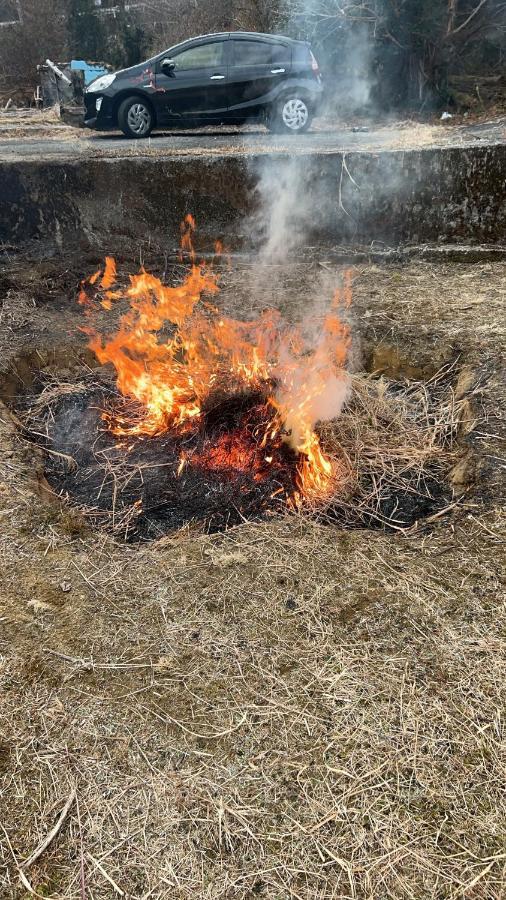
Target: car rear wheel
[
  {"x": 135, "y": 118},
  {"x": 292, "y": 115}
]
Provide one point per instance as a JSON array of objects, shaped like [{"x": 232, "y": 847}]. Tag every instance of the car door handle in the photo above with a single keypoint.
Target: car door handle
[
  {"x": 277, "y": 71},
  {"x": 217, "y": 77}
]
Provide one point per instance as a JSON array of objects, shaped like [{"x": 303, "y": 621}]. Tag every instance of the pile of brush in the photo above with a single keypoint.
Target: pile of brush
[{"x": 393, "y": 446}]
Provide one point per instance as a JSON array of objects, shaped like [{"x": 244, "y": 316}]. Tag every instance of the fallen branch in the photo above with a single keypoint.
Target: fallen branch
[
  {"x": 469, "y": 19},
  {"x": 29, "y": 861}
]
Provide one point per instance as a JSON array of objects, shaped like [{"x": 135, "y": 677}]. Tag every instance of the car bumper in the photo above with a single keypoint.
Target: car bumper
[{"x": 99, "y": 119}]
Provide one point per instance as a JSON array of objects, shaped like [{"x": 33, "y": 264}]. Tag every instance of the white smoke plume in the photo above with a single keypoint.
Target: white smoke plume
[
  {"x": 315, "y": 380},
  {"x": 284, "y": 212},
  {"x": 313, "y": 383}
]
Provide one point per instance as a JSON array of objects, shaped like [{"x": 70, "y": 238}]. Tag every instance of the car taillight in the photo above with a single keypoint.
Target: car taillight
[{"x": 314, "y": 64}]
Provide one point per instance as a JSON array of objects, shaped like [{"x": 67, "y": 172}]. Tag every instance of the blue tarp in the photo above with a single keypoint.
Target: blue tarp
[{"x": 91, "y": 71}]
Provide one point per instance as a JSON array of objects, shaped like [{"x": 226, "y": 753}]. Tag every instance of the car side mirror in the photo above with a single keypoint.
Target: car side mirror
[{"x": 168, "y": 66}]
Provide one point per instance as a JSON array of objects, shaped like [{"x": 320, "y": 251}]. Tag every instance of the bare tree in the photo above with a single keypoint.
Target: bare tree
[
  {"x": 41, "y": 32},
  {"x": 427, "y": 39},
  {"x": 171, "y": 21}
]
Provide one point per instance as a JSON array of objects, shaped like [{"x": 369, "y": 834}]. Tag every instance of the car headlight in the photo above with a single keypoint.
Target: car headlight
[{"x": 100, "y": 84}]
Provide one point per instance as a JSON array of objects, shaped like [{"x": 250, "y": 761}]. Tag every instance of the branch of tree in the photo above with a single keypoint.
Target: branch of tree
[{"x": 469, "y": 19}]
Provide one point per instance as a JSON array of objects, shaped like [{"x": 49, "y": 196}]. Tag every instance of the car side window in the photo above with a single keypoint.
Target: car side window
[
  {"x": 260, "y": 53},
  {"x": 205, "y": 56}
]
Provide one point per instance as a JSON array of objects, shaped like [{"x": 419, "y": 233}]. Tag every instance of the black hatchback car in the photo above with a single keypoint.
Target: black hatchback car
[{"x": 228, "y": 78}]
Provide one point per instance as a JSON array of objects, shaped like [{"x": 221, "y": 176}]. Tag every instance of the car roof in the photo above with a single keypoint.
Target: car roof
[
  {"x": 245, "y": 35},
  {"x": 255, "y": 35}
]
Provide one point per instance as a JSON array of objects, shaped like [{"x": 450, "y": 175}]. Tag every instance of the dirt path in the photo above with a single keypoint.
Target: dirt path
[{"x": 27, "y": 137}]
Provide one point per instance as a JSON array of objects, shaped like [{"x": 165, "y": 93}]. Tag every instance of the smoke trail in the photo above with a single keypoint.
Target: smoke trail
[
  {"x": 341, "y": 33},
  {"x": 284, "y": 214},
  {"x": 313, "y": 384}
]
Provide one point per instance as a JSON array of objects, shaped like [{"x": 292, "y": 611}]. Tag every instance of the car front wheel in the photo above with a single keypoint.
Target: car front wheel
[
  {"x": 135, "y": 118},
  {"x": 292, "y": 115}
]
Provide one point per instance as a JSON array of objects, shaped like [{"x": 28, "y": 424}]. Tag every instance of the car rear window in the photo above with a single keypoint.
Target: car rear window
[
  {"x": 259, "y": 53},
  {"x": 202, "y": 57}
]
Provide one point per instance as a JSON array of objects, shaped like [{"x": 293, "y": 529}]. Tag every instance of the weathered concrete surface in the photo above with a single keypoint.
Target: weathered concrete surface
[{"x": 443, "y": 194}]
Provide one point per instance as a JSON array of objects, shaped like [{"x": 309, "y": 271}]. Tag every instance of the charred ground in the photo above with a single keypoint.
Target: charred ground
[
  {"x": 218, "y": 474},
  {"x": 134, "y": 487}
]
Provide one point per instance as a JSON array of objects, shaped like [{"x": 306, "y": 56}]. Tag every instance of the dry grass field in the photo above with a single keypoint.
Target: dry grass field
[{"x": 290, "y": 709}]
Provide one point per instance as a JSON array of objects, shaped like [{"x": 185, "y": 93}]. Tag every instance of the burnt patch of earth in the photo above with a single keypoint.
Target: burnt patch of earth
[
  {"x": 144, "y": 486},
  {"x": 216, "y": 474}
]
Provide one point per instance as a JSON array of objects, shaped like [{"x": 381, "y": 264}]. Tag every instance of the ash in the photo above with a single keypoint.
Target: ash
[
  {"x": 143, "y": 487},
  {"x": 393, "y": 448}
]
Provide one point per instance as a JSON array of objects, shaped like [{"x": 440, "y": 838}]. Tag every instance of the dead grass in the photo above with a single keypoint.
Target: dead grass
[
  {"x": 37, "y": 124},
  {"x": 319, "y": 717},
  {"x": 283, "y": 711},
  {"x": 398, "y": 440}
]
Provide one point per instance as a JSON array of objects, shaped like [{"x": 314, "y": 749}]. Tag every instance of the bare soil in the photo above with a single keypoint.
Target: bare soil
[{"x": 284, "y": 710}]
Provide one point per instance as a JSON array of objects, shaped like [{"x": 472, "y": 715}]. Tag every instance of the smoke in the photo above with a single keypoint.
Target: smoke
[
  {"x": 342, "y": 37},
  {"x": 350, "y": 68},
  {"x": 284, "y": 213},
  {"x": 290, "y": 204},
  {"x": 312, "y": 381},
  {"x": 310, "y": 390}
]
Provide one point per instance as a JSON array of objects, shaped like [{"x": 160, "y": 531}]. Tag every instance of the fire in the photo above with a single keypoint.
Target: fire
[{"x": 173, "y": 353}]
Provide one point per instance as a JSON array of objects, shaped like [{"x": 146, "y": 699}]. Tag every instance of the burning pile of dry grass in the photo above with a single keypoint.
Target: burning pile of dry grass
[{"x": 393, "y": 447}]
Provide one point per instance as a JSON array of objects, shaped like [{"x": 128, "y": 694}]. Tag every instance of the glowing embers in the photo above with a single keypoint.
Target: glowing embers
[{"x": 218, "y": 473}]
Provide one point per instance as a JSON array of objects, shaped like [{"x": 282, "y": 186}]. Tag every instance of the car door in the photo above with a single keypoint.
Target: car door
[
  {"x": 197, "y": 86},
  {"x": 256, "y": 69}
]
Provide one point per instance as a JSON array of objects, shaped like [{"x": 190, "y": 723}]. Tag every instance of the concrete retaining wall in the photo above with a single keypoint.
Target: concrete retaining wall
[{"x": 432, "y": 195}]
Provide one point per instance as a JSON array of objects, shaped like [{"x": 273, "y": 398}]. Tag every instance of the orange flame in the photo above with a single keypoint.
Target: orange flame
[{"x": 171, "y": 351}]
